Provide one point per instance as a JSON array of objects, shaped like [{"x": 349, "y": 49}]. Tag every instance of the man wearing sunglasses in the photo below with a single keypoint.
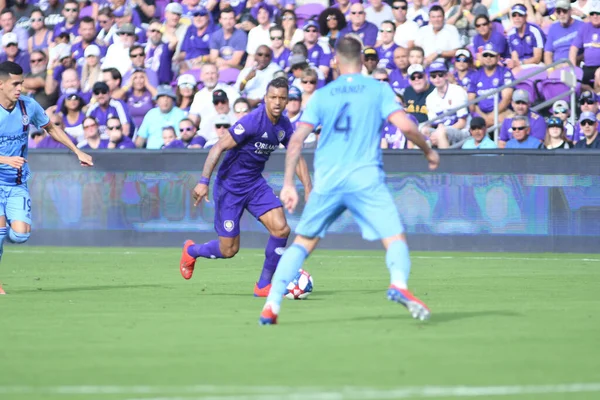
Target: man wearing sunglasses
[
  {"x": 488, "y": 78},
  {"x": 398, "y": 78},
  {"x": 589, "y": 126},
  {"x": 281, "y": 54},
  {"x": 221, "y": 105},
  {"x": 104, "y": 107},
  {"x": 358, "y": 25},
  {"x": 195, "y": 49},
  {"x": 587, "y": 40},
  {"x": 70, "y": 24},
  {"x": 164, "y": 114},
  {"x": 520, "y": 106},
  {"x": 406, "y": 29},
  {"x": 520, "y": 135},
  {"x": 387, "y": 46},
  {"x": 561, "y": 33},
  {"x": 525, "y": 41},
  {"x": 318, "y": 56},
  {"x": 117, "y": 55},
  {"x": 252, "y": 81},
  {"x": 415, "y": 95},
  {"x": 13, "y": 53},
  {"x": 588, "y": 102}
]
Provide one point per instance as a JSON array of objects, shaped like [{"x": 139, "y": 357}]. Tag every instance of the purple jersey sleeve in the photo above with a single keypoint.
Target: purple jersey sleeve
[{"x": 243, "y": 130}]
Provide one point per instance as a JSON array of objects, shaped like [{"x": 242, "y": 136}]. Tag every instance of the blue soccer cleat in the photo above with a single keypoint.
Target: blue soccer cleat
[
  {"x": 267, "y": 317},
  {"x": 416, "y": 307}
]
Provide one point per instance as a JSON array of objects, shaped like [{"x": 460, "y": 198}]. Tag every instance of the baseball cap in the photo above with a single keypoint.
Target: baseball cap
[
  {"x": 297, "y": 59},
  {"x": 587, "y": 95},
  {"x": 100, "y": 86},
  {"x": 294, "y": 93},
  {"x": 520, "y": 95},
  {"x": 222, "y": 119},
  {"x": 587, "y": 116},
  {"x": 174, "y": 8},
  {"x": 186, "y": 79},
  {"x": 164, "y": 90},
  {"x": 519, "y": 9},
  {"x": 9, "y": 38},
  {"x": 560, "y": 105},
  {"x": 127, "y": 28},
  {"x": 438, "y": 67},
  {"x": 219, "y": 95},
  {"x": 310, "y": 23},
  {"x": 563, "y": 4},
  {"x": 595, "y": 7},
  {"x": 92, "y": 50},
  {"x": 370, "y": 52},
  {"x": 462, "y": 53},
  {"x": 477, "y": 122},
  {"x": 413, "y": 69},
  {"x": 199, "y": 12},
  {"x": 554, "y": 121},
  {"x": 489, "y": 48}
]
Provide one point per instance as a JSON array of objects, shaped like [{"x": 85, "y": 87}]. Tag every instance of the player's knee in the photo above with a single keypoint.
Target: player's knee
[
  {"x": 281, "y": 231},
  {"x": 229, "y": 251},
  {"x": 18, "y": 237}
]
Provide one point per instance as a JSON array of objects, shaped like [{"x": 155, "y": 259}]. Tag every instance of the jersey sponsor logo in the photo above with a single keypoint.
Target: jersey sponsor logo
[
  {"x": 314, "y": 54},
  {"x": 239, "y": 129},
  {"x": 228, "y": 225},
  {"x": 264, "y": 148},
  {"x": 205, "y": 38},
  {"x": 280, "y": 135},
  {"x": 25, "y": 120}
]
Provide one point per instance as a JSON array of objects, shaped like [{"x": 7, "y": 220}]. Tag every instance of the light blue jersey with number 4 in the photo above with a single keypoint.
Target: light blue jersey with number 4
[{"x": 351, "y": 111}]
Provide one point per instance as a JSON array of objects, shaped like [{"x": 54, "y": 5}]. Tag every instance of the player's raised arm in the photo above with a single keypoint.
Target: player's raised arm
[
  {"x": 60, "y": 136},
  {"x": 201, "y": 190},
  {"x": 411, "y": 131}
]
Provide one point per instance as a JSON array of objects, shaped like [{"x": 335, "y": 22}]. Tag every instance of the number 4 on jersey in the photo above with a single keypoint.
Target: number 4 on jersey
[{"x": 343, "y": 121}]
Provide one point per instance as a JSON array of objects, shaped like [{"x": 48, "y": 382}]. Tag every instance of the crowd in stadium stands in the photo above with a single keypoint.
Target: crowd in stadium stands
[{"x": 155, "y": 74}]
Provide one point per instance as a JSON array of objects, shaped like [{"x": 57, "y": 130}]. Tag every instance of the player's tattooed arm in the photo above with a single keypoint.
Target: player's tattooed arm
[{"x": 224, "y": 144}]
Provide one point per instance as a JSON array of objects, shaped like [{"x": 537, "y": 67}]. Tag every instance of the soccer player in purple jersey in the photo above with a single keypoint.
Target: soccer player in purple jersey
[{"x": 240, "y": 185}]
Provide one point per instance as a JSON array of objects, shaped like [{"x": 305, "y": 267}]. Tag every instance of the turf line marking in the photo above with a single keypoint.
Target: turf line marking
[
  {"x": 210, "y": 392},
  {"x": 433, "y": 257}
]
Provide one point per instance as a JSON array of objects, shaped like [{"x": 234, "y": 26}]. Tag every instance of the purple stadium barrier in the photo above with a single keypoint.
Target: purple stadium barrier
[
  {"x": 306, "y": 11},
  {"x": 229, "y": 75}
]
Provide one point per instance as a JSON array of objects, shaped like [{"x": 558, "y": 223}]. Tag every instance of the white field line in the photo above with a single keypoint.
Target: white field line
[
  {"x": 317, "y": 255},
  {"x": 209, "y": 392}
]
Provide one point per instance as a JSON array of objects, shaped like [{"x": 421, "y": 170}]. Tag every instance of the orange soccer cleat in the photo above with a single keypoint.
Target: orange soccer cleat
[
  {"x": 264, "y": 292},
  {"x": 187, "y": 263},
  {"x": 267, "y": 316},
  {"x": 416, "y": 307},
  {"x": 2, "y": 290}
]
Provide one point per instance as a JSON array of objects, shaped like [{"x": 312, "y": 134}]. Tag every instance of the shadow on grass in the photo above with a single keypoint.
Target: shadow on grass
[{"x": 86, "y": 288}]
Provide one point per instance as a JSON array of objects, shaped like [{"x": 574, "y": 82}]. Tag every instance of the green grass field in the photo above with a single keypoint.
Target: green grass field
[{"x": 122, "y": 324}]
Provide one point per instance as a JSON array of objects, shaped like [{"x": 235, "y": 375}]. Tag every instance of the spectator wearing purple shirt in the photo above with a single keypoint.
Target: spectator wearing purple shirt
[
  {"x": 139, "y": 97},
  {"x": 281, "y": 54},
  {"x": 318, "y": 57},
  {"x": 117, "y": 140},
  {"x": 196, "y": 44},
  {"x": 13, "y": 53},
  {"x": 360, "y": 26},
  {"x": 562, "y": 33},
  {"x": 520, "y": 105},
  {"x": 104, "y": 108},
  {"x": 87, "y": 32},
  {"x": 72, "y": 114},
  {"x": 588, "y": 40},
  {"x": 344, "y": 7},
  {"x": 48, "y": 142},
  {"x": 160, "y": 54},
  {"x": 387, "y": 48},
  {"x": 188, "y": 135},
  {"x": 463, "y": 68},
  {"x": 91, "y": 134},
  {"x": 486, "y": 34},
  {"x": 228, "y": 44},
  {"x": 70, "y": 24},
  {"x": 491, "y": 76},
  {"x": 525, "y": 40},
  {"x": 399, "y": 76},
  {"x": 7, "y": 22}
]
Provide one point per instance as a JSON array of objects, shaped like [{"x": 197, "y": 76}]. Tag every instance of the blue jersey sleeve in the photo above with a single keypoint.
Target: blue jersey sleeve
[
  {"x": 389, "y": 103},
  {"x": 311, "y": 115},
  {"x": 36, "y": 114}
]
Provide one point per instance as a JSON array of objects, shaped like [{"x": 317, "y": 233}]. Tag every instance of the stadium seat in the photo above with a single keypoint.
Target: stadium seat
[
  {"x": 195, "y": 73},
  {"x": 229, "y": 75},
  {"x": 307, "y": 11},
  {"x": 529, "y": 84},
  {"x": 160, "y": 8},
  {"x": 553, "y": 86}
]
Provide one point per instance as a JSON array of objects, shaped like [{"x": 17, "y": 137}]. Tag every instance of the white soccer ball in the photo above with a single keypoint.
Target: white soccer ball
[{"x": 301, "y": 287}]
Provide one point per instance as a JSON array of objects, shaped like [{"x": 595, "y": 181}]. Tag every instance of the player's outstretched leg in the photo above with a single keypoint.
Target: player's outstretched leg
[
  {"x": 192, "y": 251},
  {"x": 273, "y": 252},
  {"x": 288, "y": 266},
  {"x": 398, "y": 262}
]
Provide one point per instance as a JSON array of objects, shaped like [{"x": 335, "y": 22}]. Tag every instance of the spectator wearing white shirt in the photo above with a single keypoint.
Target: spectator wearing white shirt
[
  {"x": 406, "y": 29},
  {"x": 252, "y": 81},
  {"x": 378, "y": 11},
  {"x": 418, "y": 13},
  {"x": 221, "y": 124},
  {"x": 438, "y": 39},
  {"x": 202, "y": 107},
  {"x": 447, "y": 132},
  {"x": 223, "y": 110},
  {"x": 117, "y": 55},
  {"x": 259, "y": 35}
]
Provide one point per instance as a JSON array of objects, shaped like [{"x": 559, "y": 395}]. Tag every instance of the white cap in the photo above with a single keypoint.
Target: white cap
[
  {"x": 92, "y": 50},
  {"x": 174, "y": 8},
  {"x": 9, "y": 38},
  {"x": 186, "y": 79},
  {"x": 222, "y": 119},
  {"x": 414, "y": 69}
]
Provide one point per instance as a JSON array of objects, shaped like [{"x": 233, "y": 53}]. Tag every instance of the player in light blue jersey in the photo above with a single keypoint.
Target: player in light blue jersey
[
  {"x": 16, "y": 114},
  {"x": 349, "y": 175}
]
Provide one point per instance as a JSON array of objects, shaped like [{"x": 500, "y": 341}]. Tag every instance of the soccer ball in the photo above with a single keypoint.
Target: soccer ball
[{"x": 301, "y": 287}]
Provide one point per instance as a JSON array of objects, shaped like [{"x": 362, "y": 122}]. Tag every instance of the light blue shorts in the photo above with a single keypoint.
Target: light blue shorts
[
  {"x": 15, "y": 203},
  {"x": 373, "y": 210}
]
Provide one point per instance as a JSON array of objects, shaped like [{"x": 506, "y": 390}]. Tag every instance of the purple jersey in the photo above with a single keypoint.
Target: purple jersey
[
  {"x": 195, "y": 45},
  {"x": 466, "y": 81},
  {"x": 393, "y": 136},
  {"x": 318, "y": 57},
  {"x": 498, "y": 41},
  {"x": 102, "y": 145},
  {"x": 158, "y": 59},
  {"x": 482, "y": 84},
  {"x": 282, "y": 59},
  {"x": 398, "y": 82},
  {"x": 536, "y": 122},
  {"x": 115, "y": 109},
  {"x": 62, "y": 28},
  {"x": 256, "y": 137},
  {"x": 560, "y": 38},
  {"x": 367, "y": 32},
  {"x": 386, "y": 56},
  {"x": 226, "y": 47},
  {"x": 125, "y": 143},
  {"x": 138, "y": 106},
  {"x": 588, "y": 39},
  {"x": 22, "y": 58},
  {"x": 533, "y": 38}
]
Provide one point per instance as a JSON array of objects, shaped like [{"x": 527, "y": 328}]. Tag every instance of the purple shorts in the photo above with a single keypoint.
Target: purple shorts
[{"x": 229, "y": 206}]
